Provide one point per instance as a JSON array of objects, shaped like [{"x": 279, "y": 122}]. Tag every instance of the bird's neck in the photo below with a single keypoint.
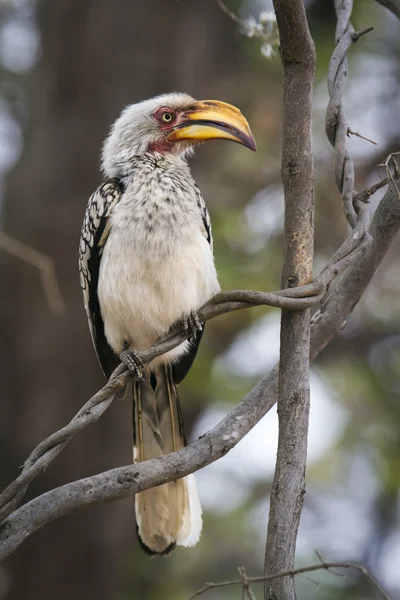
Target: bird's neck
[{"x": 148, "y": 161}]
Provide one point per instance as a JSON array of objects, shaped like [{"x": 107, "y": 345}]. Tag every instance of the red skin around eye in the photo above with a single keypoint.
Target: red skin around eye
[
  {"x": 163, "y": 146},
  {"x": 159, "y": 113}
]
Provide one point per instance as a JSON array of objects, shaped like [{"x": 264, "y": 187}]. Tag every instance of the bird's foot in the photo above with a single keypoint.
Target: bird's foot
[
  {"x": 192, "y": 324},
  {"x": 132, "y": 360}
]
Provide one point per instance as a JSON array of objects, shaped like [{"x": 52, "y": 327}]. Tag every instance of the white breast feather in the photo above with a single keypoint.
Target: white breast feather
[{"x": 157, "y": 265}]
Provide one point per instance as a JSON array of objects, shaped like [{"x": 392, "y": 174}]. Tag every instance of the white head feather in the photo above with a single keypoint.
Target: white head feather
[{"x": 136, "y": 129}]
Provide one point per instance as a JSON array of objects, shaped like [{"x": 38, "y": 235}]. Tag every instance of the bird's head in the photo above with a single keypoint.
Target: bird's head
[{"x": 171, "y": 124}]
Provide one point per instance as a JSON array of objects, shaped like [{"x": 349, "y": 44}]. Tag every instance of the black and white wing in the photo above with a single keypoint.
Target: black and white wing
[
  {"x": 205, "y": 216},
  {"x": 181, "y": 367},
  {"x": 94, "y": 235}
]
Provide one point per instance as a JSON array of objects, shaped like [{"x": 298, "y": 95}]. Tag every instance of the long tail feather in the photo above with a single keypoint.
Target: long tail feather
[{"x": 169, "y": 514}]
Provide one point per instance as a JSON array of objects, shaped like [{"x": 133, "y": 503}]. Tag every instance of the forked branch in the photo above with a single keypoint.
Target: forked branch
[
  {"x": 131, "y": 479},
  {"x": 291, "y": 299},
  {"x": 323, "y": 565}
]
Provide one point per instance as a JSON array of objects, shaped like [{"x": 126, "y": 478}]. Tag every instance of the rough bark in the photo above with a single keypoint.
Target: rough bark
[{"x": 298, "y": 60}]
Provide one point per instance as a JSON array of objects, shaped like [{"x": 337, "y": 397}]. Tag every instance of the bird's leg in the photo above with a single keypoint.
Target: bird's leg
[
  {"x": 192, "y": 324},
  {"x": 132, "y": 360}
]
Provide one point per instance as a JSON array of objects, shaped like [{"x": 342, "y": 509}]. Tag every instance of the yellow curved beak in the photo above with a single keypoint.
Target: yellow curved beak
[{"x": 213, "y": 120}]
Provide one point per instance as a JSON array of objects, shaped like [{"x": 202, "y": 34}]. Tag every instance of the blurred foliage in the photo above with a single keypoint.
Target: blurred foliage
[{"x": 352, "y": 504}]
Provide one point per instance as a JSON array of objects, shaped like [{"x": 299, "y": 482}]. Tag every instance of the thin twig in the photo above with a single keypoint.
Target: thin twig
[
  {"x": 228, "y": 12},
  {"x": 326, "y": 566},
  {"x": 44, "y": 454},
  {"x": 336, "y": 125},
  {"x": 40, "y": 261},
  {"x": 351, "y": 132},
  {"x": 357, "y": 34},
  {"x": 253, "y": 29},
  {"x": 246, "y": 587},
  {"x": 392, "y": 170},
  {"x": 366, "y": 194}
]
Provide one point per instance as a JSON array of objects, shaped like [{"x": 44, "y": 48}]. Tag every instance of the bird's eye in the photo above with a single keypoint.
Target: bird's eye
[{"x": 167, "y": 117}]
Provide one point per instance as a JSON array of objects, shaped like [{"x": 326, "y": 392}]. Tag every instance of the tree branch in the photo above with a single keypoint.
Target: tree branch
[
  {"x": 336, "y": 126},
  {"x": 40, "y": 261},
  {"x": 229, "y": 13},
  {"x": 343, "y": 298},
  {"x": 286, "y": 501},
  {"x": 292, "y": 298},
  {"x": 321, "y": 566},
  {"x": 128, "y": 480},
  {"x": 49, "y": 449}
]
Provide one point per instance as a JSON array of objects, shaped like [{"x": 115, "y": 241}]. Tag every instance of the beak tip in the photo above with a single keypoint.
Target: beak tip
[{"x": 251, "y": 144}]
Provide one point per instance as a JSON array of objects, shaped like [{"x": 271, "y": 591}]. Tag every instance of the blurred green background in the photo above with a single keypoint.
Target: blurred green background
[{"x": 67, "y": 68}]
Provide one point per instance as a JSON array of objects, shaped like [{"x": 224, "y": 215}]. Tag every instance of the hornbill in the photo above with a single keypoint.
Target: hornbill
[{"x": 146, "y": 262}]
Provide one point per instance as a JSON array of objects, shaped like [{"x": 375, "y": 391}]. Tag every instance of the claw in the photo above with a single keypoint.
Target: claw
[
  {"x": 132, "y": 360},
  {"x": 192, "y": 324}
]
